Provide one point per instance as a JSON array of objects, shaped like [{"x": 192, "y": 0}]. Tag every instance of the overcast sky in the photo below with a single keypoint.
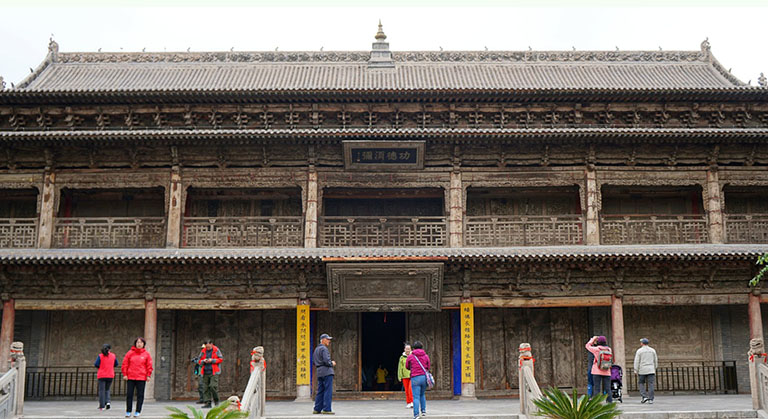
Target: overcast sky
[{"x": 738, "y": 35}]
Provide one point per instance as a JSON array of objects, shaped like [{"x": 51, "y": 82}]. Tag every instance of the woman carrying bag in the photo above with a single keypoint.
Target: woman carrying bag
[{"x": 418, "y": 363}]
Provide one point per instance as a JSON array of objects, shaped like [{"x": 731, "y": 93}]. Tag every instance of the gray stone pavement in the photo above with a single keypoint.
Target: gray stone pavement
[{"x": 679, "y": 407}]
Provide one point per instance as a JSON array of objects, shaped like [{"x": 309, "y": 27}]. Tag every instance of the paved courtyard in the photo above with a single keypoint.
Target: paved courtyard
[{"x": 681, "y": 406}]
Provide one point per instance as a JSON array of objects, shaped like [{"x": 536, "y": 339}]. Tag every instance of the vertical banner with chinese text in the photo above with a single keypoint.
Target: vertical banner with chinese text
[
  {"x": 302, "y": 345},
  {"x": 467, "y": 323}
]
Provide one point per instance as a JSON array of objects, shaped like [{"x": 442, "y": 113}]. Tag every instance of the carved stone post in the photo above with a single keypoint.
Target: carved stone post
[
  {"x": 755, "y": 316},
  {"x": 303, "y": 345},
  {"x": 714, "y": 207},
  {"x": 150, "y": 334},
  {"x": 525, "y": 359},
  {"x": 6, "y": 332},
  {"x": 47, "y": 208},
  {"x": 756, "y": 356},
  {"x": 310, "y": 216},
  {"x": 456, "y": 215},
  {"x": 617, "y": 323},
  {"x": 592, "y": 221},
  {"x": 175, "y": 205},
  {"x": 20, "y": 363}
]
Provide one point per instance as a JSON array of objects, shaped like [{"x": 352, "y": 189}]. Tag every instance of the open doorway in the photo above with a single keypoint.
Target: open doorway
[{"x": 383, "y": 335}]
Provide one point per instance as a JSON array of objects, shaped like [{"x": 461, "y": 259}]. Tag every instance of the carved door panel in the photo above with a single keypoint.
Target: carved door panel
[
  {"x": 433, "y": 330},
  {"x": 226, "y": 338},
  {"x": 192, "y": 327},
  {"x": 345, "y": 347},
  {"x": 563, "y": 348},
  {"x": 489, "y": 339},
  {"x": 249, "y": 329},
  {"x": 515, "y": 333},
  {"x": 540, "y": 339},
  {"x": 279, "y": 331}
]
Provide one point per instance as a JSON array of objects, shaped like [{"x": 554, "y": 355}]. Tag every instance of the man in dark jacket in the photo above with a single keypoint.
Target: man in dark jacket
[{"x": 321, "y": 358}]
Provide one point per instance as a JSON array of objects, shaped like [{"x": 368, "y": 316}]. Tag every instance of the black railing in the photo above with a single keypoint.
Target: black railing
[
  {"x": 67, "y": 383},
  {"x": 693, "y": 377}
]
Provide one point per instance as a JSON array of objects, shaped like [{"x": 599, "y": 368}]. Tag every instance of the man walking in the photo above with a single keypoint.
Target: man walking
[
  {"x": 321, "y": 358},
  {"x": 210, "y": 358},
  {"x": 646, "y": 363}
]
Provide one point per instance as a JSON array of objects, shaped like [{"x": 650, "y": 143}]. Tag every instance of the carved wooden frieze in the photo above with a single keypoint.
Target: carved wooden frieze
[{"x": 385, "y": 286}]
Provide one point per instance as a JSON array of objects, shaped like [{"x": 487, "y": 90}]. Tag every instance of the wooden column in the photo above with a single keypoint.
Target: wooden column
[
  {"x": 47, "y": 209},
  {"x": 592, "y": 221},
  {"x": 456, "y": 208},
  {"x": 303, "y": 345},
  {"x": 6, "y": 333},
  {"x": 310, "y": 216},
  {"x": 175, "y": 205},
  {"x": 467, "y": 324},
  {"x": 617, "y": 324},
  {"x": 755, "y": 316},
  {"x": 714, "y": 207},
  {"x": 150, "y": 334}
]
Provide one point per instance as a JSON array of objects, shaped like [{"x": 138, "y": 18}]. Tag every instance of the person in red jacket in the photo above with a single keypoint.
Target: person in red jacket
[
  {"x": 106, "y": 363},
  {"x": 210, "y": 358},
  {"x": 137, "y": 368}
]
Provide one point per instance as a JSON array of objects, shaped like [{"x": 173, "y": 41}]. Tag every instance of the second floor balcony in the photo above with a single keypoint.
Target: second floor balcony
[
  {"x": 109, "y": 232},
  {"x": 381, "y": 231},
  {"x": 242, "y": 232},
  {"x": 654, "y": 229}
]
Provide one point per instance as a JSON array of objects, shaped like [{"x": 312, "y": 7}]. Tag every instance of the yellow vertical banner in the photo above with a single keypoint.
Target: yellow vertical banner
[
  {"x": 467, "y": 343},
  {"x": 302, "y": 345}
]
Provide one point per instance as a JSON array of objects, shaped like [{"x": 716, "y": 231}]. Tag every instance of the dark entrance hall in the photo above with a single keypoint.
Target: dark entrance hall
[{"x": 383, "y": 335}]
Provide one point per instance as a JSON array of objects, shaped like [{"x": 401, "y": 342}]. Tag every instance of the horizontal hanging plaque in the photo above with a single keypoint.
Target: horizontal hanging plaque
[
  {"x": 383, "y": 155},
  {"x": 385, "y": 286}
]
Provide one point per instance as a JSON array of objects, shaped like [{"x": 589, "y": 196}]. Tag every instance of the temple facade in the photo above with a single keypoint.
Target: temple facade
[{"x": 471, "y": 200}]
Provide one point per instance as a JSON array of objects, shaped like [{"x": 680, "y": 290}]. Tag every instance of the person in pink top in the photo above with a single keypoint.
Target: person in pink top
[
  {"x": 106, "y": 363},
  {"x": 418, "y": 363},
  {"x": 598, "y": 345}
]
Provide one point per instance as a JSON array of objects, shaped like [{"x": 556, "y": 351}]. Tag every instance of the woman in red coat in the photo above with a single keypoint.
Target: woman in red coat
[{"x": 137, "y": 368}]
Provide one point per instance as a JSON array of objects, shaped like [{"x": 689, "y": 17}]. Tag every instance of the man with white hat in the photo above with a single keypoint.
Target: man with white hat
[
  {"x": 321, "y": 358},
  {"x": 646, "y": 363}
]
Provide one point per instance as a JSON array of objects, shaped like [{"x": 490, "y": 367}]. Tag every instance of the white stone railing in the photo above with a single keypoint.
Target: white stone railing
[
  {"x": 255, "y": 397},
  {"x": 12, "y": 384},
  {"x": 529, "y": 388}
]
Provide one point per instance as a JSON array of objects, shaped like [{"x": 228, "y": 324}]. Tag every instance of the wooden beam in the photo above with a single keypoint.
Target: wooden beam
[
  {"x": 107, "y": 304},
  {"x": 684, "y": 300},
  {"x": 208, "y": 304},
  {"x": 522, "y": 302}
]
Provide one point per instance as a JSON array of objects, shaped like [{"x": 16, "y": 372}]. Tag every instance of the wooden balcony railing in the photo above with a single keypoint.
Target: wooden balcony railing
[
  {"x": 653, "y": 229},
  {"x": 242, "y": 232},
  {"x": 383, "y": 231},
  {"x": 501, "y": 231},
  {"x": 746, "y": 228},
  {"x": 18, "y": 232},
  {"x": 108, "y": 232}
]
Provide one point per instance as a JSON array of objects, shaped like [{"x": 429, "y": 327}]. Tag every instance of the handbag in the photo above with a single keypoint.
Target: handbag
[{"x": 430, "y": 378}]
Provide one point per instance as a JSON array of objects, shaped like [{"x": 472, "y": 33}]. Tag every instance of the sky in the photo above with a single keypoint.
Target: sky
[{"x": 737, "y": 34}]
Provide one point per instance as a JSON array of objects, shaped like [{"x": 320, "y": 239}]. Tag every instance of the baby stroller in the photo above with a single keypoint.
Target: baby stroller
[{"x": 616, "y": 376}]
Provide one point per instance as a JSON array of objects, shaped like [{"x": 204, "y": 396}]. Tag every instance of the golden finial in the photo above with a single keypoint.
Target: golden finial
[{"x": 380, "y": 34}]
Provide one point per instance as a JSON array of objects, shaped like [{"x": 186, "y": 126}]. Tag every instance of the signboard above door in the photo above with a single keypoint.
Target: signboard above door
[{"x": 383, "y": 155}]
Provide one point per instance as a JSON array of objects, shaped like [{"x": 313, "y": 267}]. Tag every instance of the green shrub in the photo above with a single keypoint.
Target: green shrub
[
  {"x": 559, "y": 405},
  {"x": 215, "y": 413}
]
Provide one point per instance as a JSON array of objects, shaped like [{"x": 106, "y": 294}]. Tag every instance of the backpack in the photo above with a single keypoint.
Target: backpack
[{"x": 604, "y": 358}]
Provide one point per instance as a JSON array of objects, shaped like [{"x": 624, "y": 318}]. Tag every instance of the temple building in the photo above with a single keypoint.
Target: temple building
[{"x": 472, "y": 200}]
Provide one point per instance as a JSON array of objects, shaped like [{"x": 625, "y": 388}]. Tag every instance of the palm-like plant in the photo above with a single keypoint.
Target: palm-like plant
[
  {"x": 215, "y": 413},
  {"x": 557, "y": 404}
]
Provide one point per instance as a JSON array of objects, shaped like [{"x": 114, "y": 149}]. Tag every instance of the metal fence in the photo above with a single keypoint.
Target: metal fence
[
  {"x": 691, "y": 377},
  {"x": 67, "y": 383}
]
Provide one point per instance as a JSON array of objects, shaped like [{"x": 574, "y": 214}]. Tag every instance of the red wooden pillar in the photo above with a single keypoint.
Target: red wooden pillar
[
  {"x": 617, "y": 324},
  {"x": 755, "y": 317},
  {"x": 150, "y": 334},
  {"x": 6, "y": 333}
]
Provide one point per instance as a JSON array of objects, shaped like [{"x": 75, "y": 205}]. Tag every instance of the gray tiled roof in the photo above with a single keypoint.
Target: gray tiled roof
[
  {"x": 317, "y": 255},
  {"x": 349, "y": 71}
]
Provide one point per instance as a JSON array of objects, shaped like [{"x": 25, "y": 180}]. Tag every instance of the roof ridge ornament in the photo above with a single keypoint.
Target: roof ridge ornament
[
  {"x": 53, "y": 48},
  {"x": 2, "y": 83},
  {"x": 381, "y": 56},
  {"x": 761, "y": 81},
  {"x": 706, "y": 47}
]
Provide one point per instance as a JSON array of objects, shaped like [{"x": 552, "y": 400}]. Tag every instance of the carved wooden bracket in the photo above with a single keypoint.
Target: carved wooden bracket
[{"x": 385, "y": 286}]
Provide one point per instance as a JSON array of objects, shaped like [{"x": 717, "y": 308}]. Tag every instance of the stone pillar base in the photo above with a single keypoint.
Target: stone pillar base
[
  {"x": 303, "y": 394},
  {"x": 467, "y": 391}
]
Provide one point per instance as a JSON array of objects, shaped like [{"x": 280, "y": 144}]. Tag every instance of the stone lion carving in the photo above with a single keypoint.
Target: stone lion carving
[
  {"x": 756, "y": 347},
  {"x": 257, "y": 356}
]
